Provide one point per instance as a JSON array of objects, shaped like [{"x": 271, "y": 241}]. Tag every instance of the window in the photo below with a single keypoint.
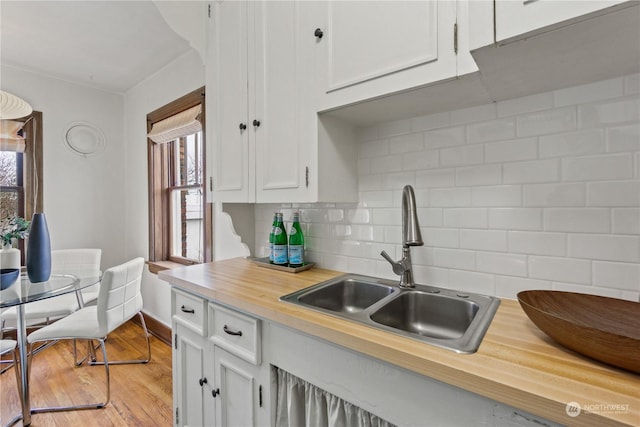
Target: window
[
  {"x": 21, "y": 174},
  {"x": 179, "y": 218}
]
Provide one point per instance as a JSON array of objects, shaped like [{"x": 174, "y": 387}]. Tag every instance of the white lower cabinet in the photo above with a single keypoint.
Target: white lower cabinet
[{"x": 188, "y": 375}]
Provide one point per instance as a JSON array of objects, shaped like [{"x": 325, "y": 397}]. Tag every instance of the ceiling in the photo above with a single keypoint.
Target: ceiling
[{"x": 109, "y": 45}]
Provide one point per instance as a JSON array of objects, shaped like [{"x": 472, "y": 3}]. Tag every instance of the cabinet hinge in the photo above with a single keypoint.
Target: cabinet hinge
[
  {"x": 175, "y": 341},
  {"x": 306, "y": 176},
  {"x": 455, "y": 38},
  {"x": 260, "y": 396},
  {"x": 177, "y": 416},
  {"x": 209, "y": 10},
  {"x": 210, "y": 183}
]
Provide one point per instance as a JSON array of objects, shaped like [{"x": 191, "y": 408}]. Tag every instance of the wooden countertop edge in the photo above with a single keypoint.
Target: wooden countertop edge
[{"x": 524, "y": 391}]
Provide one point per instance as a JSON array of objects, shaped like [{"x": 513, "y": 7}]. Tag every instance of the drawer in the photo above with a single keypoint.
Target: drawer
[
  {"x": 236, "y": 332},
  {"x": 190, "y": 311}
]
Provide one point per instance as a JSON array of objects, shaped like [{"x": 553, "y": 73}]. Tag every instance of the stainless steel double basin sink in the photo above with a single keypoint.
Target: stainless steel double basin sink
[{"x": 442, "y": 317}]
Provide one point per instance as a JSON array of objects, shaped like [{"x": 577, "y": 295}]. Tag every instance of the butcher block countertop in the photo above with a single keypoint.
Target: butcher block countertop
[{"x": 516, "y": 363}]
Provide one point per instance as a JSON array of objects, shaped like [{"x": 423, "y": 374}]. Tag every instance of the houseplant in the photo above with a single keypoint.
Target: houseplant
[{"x": 12, "y": 229}]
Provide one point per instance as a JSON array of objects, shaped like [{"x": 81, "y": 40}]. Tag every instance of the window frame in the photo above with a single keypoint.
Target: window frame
[
  {"x": 30, "y": 168},
  {"x": 159, "y": 160}
]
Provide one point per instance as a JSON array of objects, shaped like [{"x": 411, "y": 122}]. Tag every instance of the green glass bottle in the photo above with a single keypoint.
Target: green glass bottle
[
  {"x": 280, "y": 242},
  {"x": 271, "y": 234},
  {"x": 296, "y": 243}
]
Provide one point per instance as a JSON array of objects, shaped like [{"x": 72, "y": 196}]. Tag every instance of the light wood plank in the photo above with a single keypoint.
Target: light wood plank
[{"x": 141, "y": 395}]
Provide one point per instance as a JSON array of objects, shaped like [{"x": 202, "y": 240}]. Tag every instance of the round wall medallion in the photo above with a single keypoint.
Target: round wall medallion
[{"x": 84, "y": 139}]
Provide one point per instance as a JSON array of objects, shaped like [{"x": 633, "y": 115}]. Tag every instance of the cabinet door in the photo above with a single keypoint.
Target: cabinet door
[
  {"x": 232, "y": 153},
  {"x": 514, "y": 18},
  {"x": 188, "y": 371},
  {"x": 281, "y": 103},
  {"x": 238, "y": 401},
  {"x": 375, "y": 48}
]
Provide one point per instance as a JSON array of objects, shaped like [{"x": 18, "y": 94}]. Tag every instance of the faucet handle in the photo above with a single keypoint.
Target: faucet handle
[{"x": 398, "y": 268}]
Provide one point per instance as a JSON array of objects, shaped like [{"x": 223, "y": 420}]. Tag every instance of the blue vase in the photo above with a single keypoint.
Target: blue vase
[{"x": 39, "y": 250}]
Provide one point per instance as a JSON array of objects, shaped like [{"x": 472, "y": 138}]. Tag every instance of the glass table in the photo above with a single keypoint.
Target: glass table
[{"x": 23, "y": 292}]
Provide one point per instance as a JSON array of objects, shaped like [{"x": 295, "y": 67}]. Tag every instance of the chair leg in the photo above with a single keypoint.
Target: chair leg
[
  {"x": 135, "y": 361},
  {"x": 88, "y": 405}
]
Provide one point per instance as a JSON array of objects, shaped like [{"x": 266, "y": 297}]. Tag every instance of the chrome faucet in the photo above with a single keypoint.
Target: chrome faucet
[{"x": 411, "y": 236}]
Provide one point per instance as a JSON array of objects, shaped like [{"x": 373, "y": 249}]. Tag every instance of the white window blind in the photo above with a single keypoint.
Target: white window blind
[
  {"x": 179, "y": 125},
  {"x": 10, "y": 137}
]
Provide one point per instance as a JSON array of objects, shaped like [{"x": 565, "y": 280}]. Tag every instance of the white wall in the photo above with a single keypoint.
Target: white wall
[
  {"x": 175, "y": 80},
  {"x": 540, "y": 192},
  {"x": 83, "y": 196}
]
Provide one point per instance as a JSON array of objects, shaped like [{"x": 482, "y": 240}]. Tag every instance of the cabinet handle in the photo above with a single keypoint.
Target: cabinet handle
[
  {"x": 318, "y": 33},
  {"x": 187, "y": 310},
  {"x": 230, "y": 332},
  {"x": 256, "y": 123},
  {"x": 215, "y": 392},
  {"x": 242, "y": 126},
  {"x": 202, "y": 381}
]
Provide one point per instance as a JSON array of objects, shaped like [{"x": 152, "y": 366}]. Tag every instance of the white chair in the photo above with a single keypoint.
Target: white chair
[
  {"x": 79, "y": 262},
  {"x": 119, "y": 300},
  {"x": 6, "y": 347}
]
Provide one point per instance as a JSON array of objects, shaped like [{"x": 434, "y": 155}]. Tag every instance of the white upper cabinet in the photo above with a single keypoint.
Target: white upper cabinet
[
  {"x": 375, "y": 48},
  {"x": 265, "y": 132},
  {"x": 515, "y": 18}
]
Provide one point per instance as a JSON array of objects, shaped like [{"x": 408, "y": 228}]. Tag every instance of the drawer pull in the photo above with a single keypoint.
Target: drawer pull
[
  {"x": 230, "y": 332},
  {"x": 187, "y": 310}
]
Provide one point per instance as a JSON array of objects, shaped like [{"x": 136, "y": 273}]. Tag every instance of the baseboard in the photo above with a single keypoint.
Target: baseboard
[{"x": 156, "y": 328}]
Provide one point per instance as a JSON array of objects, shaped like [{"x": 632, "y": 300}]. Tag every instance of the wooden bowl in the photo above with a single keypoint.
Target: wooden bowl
[
  {"x": 8, "y": 276},
  {"x": 605, "y": 329}
]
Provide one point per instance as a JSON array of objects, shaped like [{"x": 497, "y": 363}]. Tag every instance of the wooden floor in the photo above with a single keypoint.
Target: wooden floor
[{"x": 141, "y": 395}]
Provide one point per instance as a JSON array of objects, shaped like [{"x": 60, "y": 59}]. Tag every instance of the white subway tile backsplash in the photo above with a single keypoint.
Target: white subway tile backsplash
[
  {"x": 422, "y": 160},
  {"x": 601, "y": 90},
  {"x": 531, "y": 172},
  {"x": 581, "y": 289},
  {"x": 605, "y": 247},
  {"x": 623, "y": 138},
  {"x": 586, "y": 220},
  {"x": 465, "y": 217},
  {"x": 443, "y": 138},
  {"x": 536, "y": 243},
  {"x": 377, "y": 148},
  {"x": 450, "y": 197},
  {"x": 406, "y": 143},
  {"x": 511, "y": 151},
  {"x": 538, "y": 192},
  {"x": 441, "y": 237},
  {"x": 496, "y": 196},
  {"x": 560, "y": 194},
  {"x": 454, "y": 258},
  {"x": 545, "y": 122},
  {"x": 632, "y": 84},
  {"x": 501, "y": 263},
  {"x": 395, "y": 128},
  {"x": 508, "y": 286},
  {"x": 572, "y": 144},
  {"x": 484, "y": 240},
  {"x": 431, "y": 121},
  {"x": 435, "y": 178},
  {"x": 474, "y": 114},
  {"x": 617, "y": 275},
  {"x": 479, "y": 175},
  {"x": 515, "y": 218},
  {"x": 462, "y": 156},
  {"x": 526, "y": 104},
  {"x": 495, "y": 130},
  {"x": 594, "y": 168},
  {"x": 607, "y": 113},
  {"x": 560, "y": 269},
  {"x": 391, "y": 163},
  {"x": 625, "y": 220},
  {"x": 614, "y": 193},
  {"x": 468, "y": 281}
]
